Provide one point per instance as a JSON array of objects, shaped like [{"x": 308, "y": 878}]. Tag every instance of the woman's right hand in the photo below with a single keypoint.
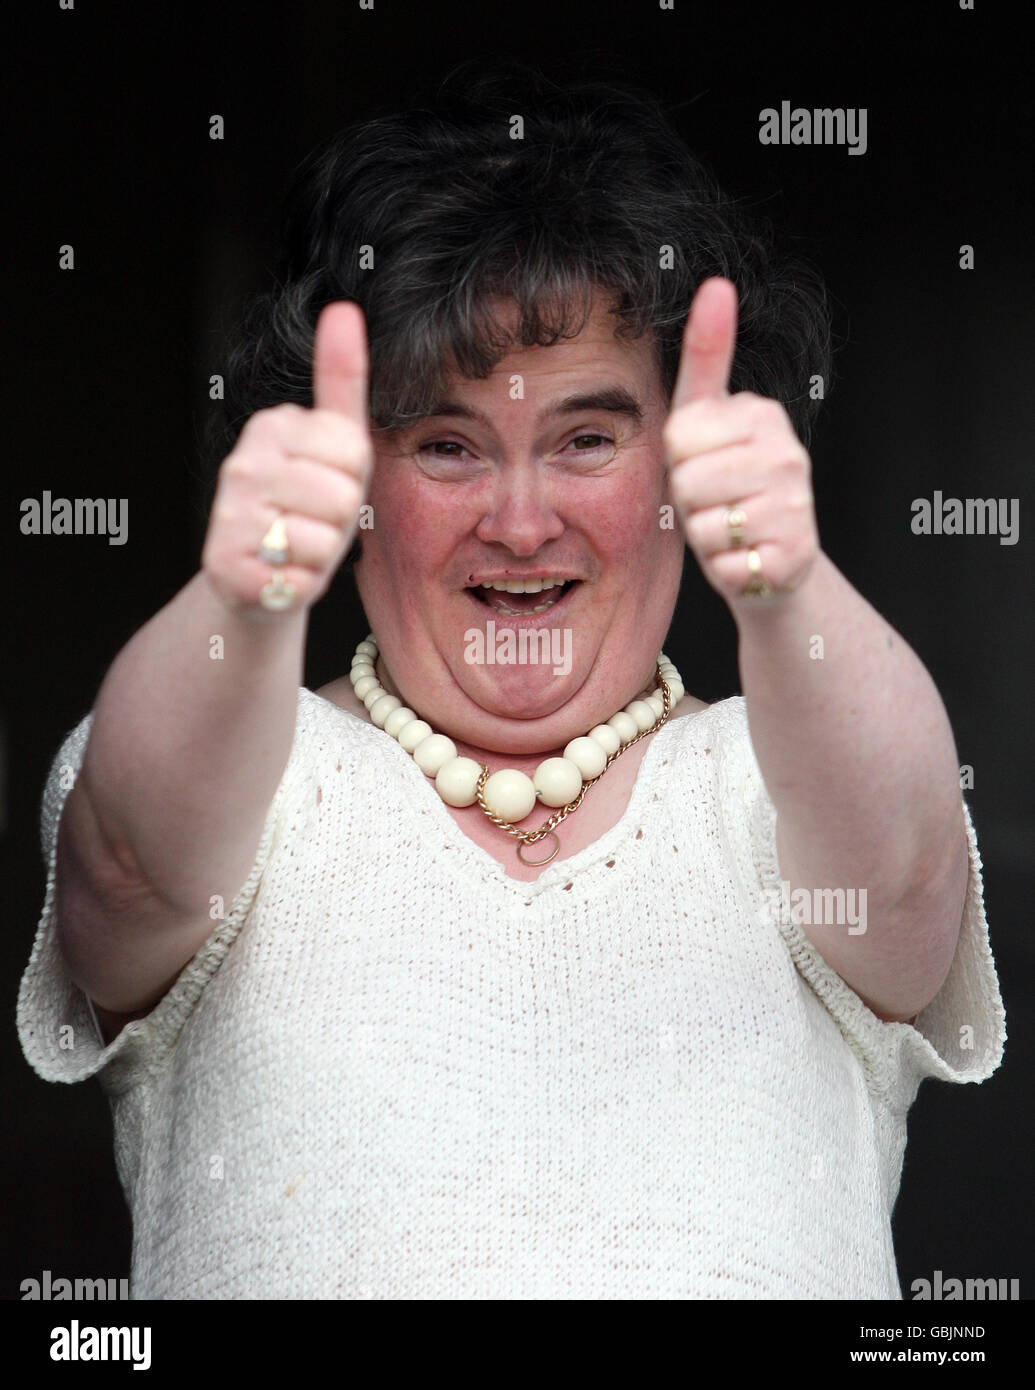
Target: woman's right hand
[{"x": 309, "y": 466}]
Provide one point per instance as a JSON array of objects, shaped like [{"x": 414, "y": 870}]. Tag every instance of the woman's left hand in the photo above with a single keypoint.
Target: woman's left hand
[{"x": 739, "y": 452}]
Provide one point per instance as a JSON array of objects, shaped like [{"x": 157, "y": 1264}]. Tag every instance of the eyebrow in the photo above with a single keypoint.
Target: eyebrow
[{"x": 612, "y": 398}]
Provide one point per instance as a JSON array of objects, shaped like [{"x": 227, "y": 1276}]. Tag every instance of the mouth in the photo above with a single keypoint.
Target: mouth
[{"x": 522, "y": 605}]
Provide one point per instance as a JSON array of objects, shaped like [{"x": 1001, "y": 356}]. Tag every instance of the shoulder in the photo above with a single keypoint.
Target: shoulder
[
  {"x": 717, "y": 737},
  {"x": 726, "y": 718},
  {"x": 332, "y": 713},
  {"x": 338, "y": 692},
  {"x": 336, "y": 704},
  {"x": 331, "y": 700},
  {"x": 689, "y": 704}
]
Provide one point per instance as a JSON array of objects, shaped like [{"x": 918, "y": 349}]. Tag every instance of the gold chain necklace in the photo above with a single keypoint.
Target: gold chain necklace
[{"x": 508, "y": 796}]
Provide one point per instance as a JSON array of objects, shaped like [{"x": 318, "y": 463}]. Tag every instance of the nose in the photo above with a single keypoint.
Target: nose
[{"x": 521, "y": 514}]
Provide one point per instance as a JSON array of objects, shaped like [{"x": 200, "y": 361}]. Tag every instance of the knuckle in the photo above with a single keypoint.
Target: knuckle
[
  {"x": 345, "y": 503},
  {"x": 681, "y": 484},
  {"x": 802, "y": 548},
  {"x": 267, "y": 422},
  {"x": 678, "y": 429},
  {"x": 222, "y": 517},
  {"x": 791, "y": 464},
  {"x": 356, "y": 447},
  {"x": 328, "y": 550},
  {"x": 240, "y": 466},
  {"x": 357, "y": 441},
  {"x": 724, "y": 567},
  {"x": 214, "y": 558},
  {"x": 332, "y": 422},
  {"x": 696, "y": 528},
  {"x": 332, "y": 437},
  {"x": 763, "y": 411},
  {"x": 774, "y": 414},
  {"x": 311, "y": 586},
  {"x": 339, "y": 514},
  {"x": 318, "y": 429}
]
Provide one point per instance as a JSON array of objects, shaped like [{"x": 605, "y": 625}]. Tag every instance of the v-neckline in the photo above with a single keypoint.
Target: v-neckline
[{"x": 471, "y": 861}]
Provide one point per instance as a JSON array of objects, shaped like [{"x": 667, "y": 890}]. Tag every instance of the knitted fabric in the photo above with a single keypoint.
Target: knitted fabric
[{"x": 392, "y": 1071}]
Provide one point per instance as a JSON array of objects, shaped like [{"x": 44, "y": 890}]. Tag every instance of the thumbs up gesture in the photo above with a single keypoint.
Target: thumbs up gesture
[
  {"x": 739, "y": 476},
  {"x": 305, "y": 469}
]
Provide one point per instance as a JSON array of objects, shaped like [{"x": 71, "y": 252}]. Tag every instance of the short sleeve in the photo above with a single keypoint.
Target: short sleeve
[
  {"x": 57, "y": 1028},
  {"x": 961, "y": 1034}
]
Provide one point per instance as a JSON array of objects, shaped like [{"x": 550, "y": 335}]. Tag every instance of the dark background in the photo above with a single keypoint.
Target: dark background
[{"x": 108, "y": 367}]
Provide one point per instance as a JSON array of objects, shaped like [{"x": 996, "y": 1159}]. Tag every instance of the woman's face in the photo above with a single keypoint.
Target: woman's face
[{"x": 511, "y": 480}]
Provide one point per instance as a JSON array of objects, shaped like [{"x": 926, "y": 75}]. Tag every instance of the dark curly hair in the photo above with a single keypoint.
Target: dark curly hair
[{"x": 457, "y": 212}]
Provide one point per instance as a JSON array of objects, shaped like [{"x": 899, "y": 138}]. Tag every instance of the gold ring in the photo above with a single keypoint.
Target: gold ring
[
  {"x": 523, "y": 844},
  {"x": 735, "y": 523},
  {"x": 756, "y": 587},
  {"x": 273, "y": 547},
  {"x": 278, "y": 594}
]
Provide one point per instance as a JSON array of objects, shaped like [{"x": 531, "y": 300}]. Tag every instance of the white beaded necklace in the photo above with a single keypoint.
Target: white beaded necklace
[{"x": 508, "y": 795}]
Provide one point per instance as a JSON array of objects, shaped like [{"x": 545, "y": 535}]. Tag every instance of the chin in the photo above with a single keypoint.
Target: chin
[{"x": 518, "y": 692}]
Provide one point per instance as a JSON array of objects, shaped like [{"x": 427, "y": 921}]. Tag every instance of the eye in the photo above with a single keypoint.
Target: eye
[
  {"x": 447, "y": 460},
  {"x": 590, "y": 448},
  {"x": 437, "y": 444}
]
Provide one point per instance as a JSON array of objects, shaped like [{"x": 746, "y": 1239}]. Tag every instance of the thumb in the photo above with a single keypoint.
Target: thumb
[
  {"x": 709, "y": 340},
  {"x": 340, "y": 361}
]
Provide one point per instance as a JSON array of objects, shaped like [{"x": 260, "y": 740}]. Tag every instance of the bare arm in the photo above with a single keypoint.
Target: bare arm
[
  {"x": 194, "y": 722},
  {"x": 184, "y": 756},
  {"x": 860, "y": 762},
  {"x": 851, "y": 736}
]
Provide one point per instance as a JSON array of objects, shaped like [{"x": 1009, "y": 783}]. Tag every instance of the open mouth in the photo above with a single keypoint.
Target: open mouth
[{"x": 522, "y": 605}]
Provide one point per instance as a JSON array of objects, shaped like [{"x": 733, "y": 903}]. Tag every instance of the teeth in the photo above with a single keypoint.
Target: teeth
[
  {"x": 524, "y": 612},
  {"x": 523, "y": 586}
]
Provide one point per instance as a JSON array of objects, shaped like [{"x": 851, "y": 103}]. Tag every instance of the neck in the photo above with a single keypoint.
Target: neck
[{"x": 492, "y": 757}]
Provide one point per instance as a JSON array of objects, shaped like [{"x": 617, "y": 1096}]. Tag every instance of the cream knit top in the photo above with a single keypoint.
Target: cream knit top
[{"x": 394, "y": 1072}]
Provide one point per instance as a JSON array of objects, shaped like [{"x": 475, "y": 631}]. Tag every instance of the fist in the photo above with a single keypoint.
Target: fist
[
  {"x": 309, "y": 467},
  {"x": 740, "y": 453}
]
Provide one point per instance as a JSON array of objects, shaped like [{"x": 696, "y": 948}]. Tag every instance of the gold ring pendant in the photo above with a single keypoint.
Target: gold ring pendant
[{"x": 533, "y": 862}]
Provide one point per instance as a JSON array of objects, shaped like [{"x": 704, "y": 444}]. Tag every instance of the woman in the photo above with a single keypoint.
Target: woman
[{"x": 464, "y": 1034}]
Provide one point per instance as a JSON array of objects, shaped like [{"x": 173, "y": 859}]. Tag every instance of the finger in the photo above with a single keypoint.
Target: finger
[
  {"x": 709, "y": 534},
  {"x": 720, "y": 479},
  {"x": 704, "y": 426},
  {"x": 309, "y": 488},
  {"x": 709, "y": 340},
  {"x": 328, "y": 437},
  {"x": 340, "y": 361},
  {"x": 312, "y": 544},
  {"x": 730, "y": 573}
]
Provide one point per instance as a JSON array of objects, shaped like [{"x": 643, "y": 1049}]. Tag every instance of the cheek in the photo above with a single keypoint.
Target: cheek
[
  {"x": 413, "y": 525},
  {"x": 628, "y": 518}
]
